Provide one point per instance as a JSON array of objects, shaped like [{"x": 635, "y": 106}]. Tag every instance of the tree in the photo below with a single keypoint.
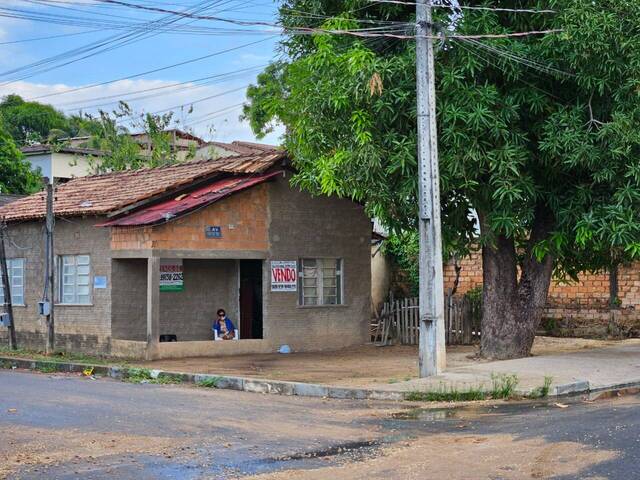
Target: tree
[
  {"x": 16, "y": 175},
  {"x": 33, "y": 122},
  {"x": 122, "y": 151},
  {"x": 538, "y": 135}
]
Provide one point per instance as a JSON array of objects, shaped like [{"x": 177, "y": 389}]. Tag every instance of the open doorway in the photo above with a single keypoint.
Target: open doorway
[{"x": 250, "y": 299}]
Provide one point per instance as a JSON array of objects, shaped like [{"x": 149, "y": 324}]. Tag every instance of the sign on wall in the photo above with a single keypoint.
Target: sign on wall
[
  {"x": 171, "y": 275},
  {"x": 284, "y": 276},
  {"x": 213, "y": 231}
]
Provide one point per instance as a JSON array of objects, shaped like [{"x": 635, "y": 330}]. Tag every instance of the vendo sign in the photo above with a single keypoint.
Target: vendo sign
[{"x": 284, "y": 276}]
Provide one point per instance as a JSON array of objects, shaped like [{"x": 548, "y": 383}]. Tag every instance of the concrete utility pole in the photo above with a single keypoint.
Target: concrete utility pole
[
  {"x": 51, "y": 266},
  {"x": 432, "y": 359},
  {"x": 6, "y": 287}
]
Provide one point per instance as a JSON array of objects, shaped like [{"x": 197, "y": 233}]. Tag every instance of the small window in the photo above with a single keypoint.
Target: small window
[
  {"x": 320, "y": 281},
  {"x": 74, "y": 274},
  {"x": 15, "y": 267}
]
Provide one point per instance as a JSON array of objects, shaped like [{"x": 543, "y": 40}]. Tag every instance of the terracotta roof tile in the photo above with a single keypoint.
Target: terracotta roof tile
[{"x": 100, "y": 194}]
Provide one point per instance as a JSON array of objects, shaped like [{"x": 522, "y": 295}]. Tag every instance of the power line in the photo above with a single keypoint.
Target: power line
[
  {"x": 155, "y": 70},
  {"x": 466, "y": 7}
]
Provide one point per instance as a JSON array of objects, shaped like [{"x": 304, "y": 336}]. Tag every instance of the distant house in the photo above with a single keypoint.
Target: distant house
[
  {"x": 62, "y": 162},
  {"x": 150, "y": 255},
  {"x": 182, "y": 143},
  {"x": 74, "y": 159}
]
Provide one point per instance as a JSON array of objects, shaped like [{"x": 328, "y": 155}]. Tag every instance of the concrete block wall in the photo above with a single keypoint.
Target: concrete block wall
[
  {"x": 189, "y": 314},
  {"x": 318, "y": 227},
  {"x": 208, "y": 286},
  {"x": 78, "y": 327},
  {"x": 129, "y": 299}
]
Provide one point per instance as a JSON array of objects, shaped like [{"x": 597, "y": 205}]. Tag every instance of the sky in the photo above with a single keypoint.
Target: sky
[{"x": 207, "y": 100}]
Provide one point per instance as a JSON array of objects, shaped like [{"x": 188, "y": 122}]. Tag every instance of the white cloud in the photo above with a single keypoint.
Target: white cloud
[{"x": 221, "y": 112}]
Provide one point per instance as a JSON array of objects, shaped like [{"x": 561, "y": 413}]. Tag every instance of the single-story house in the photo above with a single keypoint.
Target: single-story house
[{"x": 146, "y": 257}]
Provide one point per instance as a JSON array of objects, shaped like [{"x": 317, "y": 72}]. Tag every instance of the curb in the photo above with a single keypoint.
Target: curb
[
  {"x": 277, "y": 387},
  {"x": 252, "y": 385}
]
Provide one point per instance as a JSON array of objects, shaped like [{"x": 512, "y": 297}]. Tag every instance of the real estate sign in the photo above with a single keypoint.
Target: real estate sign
[
  {"x": 284, "y": 276},
  {"x": 171, "y": 275}
]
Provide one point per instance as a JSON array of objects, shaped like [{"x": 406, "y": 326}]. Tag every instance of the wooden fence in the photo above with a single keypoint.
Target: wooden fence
[{"x": 399, "y": 322}]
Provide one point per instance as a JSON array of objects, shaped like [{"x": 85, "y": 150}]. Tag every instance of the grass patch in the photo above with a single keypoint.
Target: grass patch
[
  {"x": 448, "y": 394},
  {"x": 143, "y": 375},
  {"x": 137, "y": 375},
  {"x": 208, "y": 382},
  {"x": 47, "y": 367},
  {"x": 503, "y": 385},
  {"x": 60, "y": 357},
  {"x": 542, "y": 391},
  {"x": 6, "y": 364}
]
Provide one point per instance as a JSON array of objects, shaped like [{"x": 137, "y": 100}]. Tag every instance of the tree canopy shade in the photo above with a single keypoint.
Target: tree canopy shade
[
  {"x": 537, "y": 134},
  {"x": 16, "y": 175},
  {"x": 33, "y": 122}
]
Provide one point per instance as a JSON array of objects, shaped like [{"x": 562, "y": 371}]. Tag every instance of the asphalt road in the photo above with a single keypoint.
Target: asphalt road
[{"x": 66, "y": 427}]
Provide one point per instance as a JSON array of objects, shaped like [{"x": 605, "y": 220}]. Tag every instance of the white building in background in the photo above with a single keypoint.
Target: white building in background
[{"x": 62, "y": 162}]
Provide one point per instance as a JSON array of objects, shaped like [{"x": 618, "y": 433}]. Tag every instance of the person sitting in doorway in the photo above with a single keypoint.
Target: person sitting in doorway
[{"x": 223, "y": 328}]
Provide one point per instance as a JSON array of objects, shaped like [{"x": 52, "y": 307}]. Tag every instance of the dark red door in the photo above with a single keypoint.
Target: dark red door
[{"x": 247, "y": 301}]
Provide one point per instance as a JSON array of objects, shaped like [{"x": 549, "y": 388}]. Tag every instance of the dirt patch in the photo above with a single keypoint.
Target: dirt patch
[
  {"x": 473, "y": 457},
  {"x": 30, "y": 449},
  {"x": 359, "y": 366}
]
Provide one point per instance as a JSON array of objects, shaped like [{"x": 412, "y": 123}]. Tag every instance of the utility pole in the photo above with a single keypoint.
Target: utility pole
[
  {"x": 432, "y": 356},
  {"x": 49, "y": 281},
  {"x": 6, "y": 288}
]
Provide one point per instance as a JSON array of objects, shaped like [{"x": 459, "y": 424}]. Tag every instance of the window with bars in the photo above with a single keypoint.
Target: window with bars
[
  {"x": 74, "y": 279},
  {"x": 15, "y": 267},
  {"x": 320, "y": 281}
]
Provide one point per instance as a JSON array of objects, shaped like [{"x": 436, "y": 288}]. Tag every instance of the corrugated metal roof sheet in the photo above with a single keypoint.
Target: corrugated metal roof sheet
[{"x": 182, "y": 204}]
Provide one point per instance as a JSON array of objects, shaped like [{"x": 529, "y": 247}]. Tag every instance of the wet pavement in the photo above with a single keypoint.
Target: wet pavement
[{"x": 66, "y": 427}]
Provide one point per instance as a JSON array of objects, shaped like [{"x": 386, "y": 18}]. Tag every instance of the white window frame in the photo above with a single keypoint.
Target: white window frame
[
  {"x": 15, "y": 266},
  {"x": 70, "y": 282},
  {"x": 319, "y": 283}
]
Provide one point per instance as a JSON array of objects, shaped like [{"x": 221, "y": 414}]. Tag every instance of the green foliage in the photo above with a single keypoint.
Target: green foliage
[
  {"x": 143, "y": 375},
  {"x": 543, "y": 390},
  {"x": 137, "y": 375},
  {"x": 528, "y": 128},
  {"x": 51, "y": 367},
  {"x": 208, "y": 382},
  {"x": 16, "y": 175},
  {"x": 503, "y": 385},
  {"x": 123, "y": 151},
  {"x": 59, "y": 356},
  {"x": 450, "y": 394},
  {"x": 403, "y": 248},
  {"x": 33, "y": 122}
]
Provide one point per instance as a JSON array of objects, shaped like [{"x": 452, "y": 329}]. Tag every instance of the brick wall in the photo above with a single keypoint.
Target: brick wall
[
  {"x": 316, "y": 227},
  {"x": 575, "y": 308},
  {"x": 242, "y": 216},
  {"x": 80, "y": 328}
]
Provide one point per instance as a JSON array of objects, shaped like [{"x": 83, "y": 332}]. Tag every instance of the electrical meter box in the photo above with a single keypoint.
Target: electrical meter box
[
  {"x": 5, "y": 321},
  {"x": 44, "y": 308}
]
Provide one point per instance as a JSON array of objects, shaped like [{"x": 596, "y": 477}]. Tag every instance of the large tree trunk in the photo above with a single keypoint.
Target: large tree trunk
[{"x": 512, "y": 306}]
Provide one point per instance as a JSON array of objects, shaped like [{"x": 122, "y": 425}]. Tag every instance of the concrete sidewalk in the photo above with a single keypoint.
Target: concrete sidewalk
[
  {"x": 593, "y": 369},
  {"x": 590, "y": 369}
]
